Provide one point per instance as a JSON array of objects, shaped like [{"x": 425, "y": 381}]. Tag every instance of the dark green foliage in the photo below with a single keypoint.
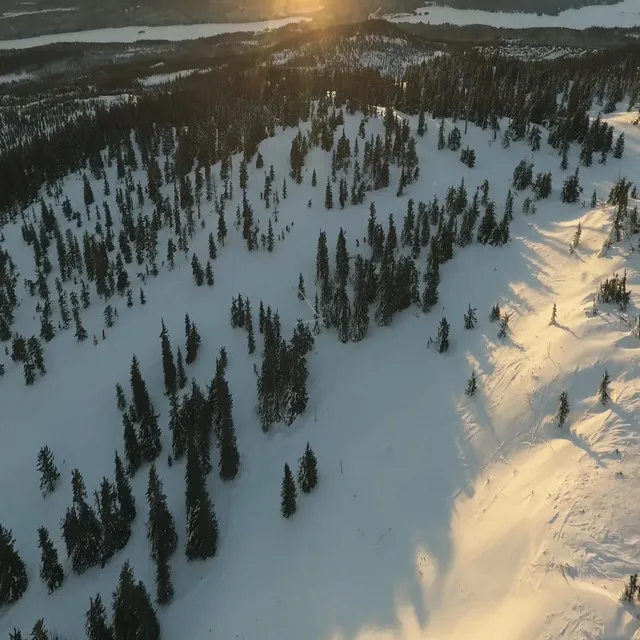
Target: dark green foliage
[
  {"x": 193, "y": 340},
  {"x": 51, "y": 572},
  {"x": 182, "y": 376},
  {"x": 168, "y": 365},
  {"x": 495, "y": 313},
  {"x": 603, "y": 389},
  {"x": 442, "y": 339},
  {"x": 202, "y": 527},
  {"x": 504, "y": 325},
  {"x": 472, "y": 385},
  {"x": 288, "y": 493},
  {"x": 161, "y": 530},
  {"x": 563, "y": 409},
  {"x": 470, "y": 320},
  {"x": 132, "y": 451},
  {"x": 126, "y": 500},
  {"x": 307, "y": 470},
  {"x": 571, "y": 189},
  {"x": 631, "y": 589},
  {"x": 96, "y": 625},
  {"x": 49, "y": 474},
  {"x": 164, "y": 588},
  {"x": 134, "y": 617},
  {"x": 615, "y": 290},
  {"x": 12, "y": 569}
]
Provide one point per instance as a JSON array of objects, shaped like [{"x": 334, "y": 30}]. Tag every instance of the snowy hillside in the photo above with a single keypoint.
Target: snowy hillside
[
  {"x": 622, "y": 14},
  {"x": 437, "y": 514}
]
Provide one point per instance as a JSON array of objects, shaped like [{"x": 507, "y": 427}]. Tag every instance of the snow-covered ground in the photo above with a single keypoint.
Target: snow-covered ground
[
  {"x": 622, "y": 14},
  {"x": 16, "y": 14},
  {"x": 161, "y": 78},
  {"x": 8, "y": 78},
  {"x": 133, "y": 34},
  {"x": 436, "y": 516}
]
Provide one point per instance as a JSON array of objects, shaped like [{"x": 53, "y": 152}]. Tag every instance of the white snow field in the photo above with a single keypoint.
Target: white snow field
[
  {"x": 436, "y": 516},
  {"x": 134, "y": 34},
  {"x": 622, "y": 14}
]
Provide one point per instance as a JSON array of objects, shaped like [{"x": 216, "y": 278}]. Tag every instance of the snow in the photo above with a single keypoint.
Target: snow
[
  {"x": 161, "y": 78},
  {"x": 16, "y": 14},
  {"x": 14, "y": 77},
  {"x": 622, "y": 14},
  {"x": 134, "y": 34},
  {"x": 436, "y": 516}
]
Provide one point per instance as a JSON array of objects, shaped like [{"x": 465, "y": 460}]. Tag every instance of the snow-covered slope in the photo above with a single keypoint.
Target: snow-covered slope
[
  {"x": 622, "y": 14},
  {"x": 436, "y": 515}
]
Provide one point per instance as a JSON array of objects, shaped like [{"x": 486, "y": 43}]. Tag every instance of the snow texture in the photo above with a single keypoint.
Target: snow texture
[
  {"x": 134, "y": 34},
  {"x": 436, "y": 515},
  {"x": 622, "y": 14}
]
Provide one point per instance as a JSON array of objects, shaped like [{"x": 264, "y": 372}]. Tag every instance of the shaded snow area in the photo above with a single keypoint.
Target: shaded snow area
[
  {"x": 437, "y": 516},
  {"x": 622, "y": 14},
  {"x": 390, "y": 56},
  {"x": 133, "y": 34},
  {"x": 163, "y": 78}
]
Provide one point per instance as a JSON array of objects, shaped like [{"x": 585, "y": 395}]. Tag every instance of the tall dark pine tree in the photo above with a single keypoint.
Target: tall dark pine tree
[
  {"x": 168, "y": 365},
  {"x": 288, "y": 494},
  {"x": 126, "y": 500},
  {"x": 229, "y": 460},
  {"x": 193, "y": 340},
  {"x": 139, "y": 393},
  {"x": 308, "y": 470},
  {"x": 563, "y": 409},
  {"x": 49, "y": 474},
  {"x": 51, "y": 572},
  {"x": 164, "y": 588},
  {"x": 96, "y": 625},
  {"x": 134, "y": 617},
  {"x": 442, "y": 341},
  {"x": 116, "y": 528},
  {"x": 161, "y": 530},
  {"x": 603, "y": 389},
  {"x": 12, "y": 569},
  {"x": 131, "y": 445},
  {"x": 202, "y": 527}
]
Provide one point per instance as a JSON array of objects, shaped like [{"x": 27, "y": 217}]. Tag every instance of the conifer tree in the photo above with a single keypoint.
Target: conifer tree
[
  {"x": 164, "y": 587},
  {"x": 442, "y": 340},
  {"x": 193, "y": 340},
  {"x": 328, "y": 196},
  {"x": 131, "y": 445},
  {"x": 563, "y": 409},
  {"x": 12, "y": 569},
  {"x": 161, "y": 530},
  {"x": 168, "y": 365},
  {"x": 124, "y": 494},
  {"x": 150, "y": 436},
  {"x": 202, "y": 527},
  {"x": 50, "y": 568},
  {"x": 314, "y": 179},
  {"x": 603, "y": 389},
  {"x": 495, "y": 313},
  {"x": 618, "y": 149},
  {"x": 133, "y": 614},
  {"x": 140, "y": 396},
  {"x": 288, "y": 493},
  {"x": 182, "y": 376},
  {"x": 504, "y": 325},
  {"x": 470, "y": 318},
  {"x": 96, "y": 624},
  {"x": 115, "y": 527},
  {"x": 229, "y": 460},
  {"x": 39, "y": 631},
  {"x": 209, "y": 275},
  {"x": 472, "y": 385},
  {"x": 301, "y": 290},
  {"x": 49, "y": 474},
  {"x": 554, "y": 314},
  {"x": 307, "y": 470}
]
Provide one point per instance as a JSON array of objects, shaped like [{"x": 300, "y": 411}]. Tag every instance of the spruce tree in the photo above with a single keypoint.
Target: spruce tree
[
  {"x": 504, "y": 325},
  {"x": 161, "y": 530},
  {"x": 301, "y": 290},
  {"x": 164, "y": 587},
  {"x": 12, "y": 569},
  {"x": 39, "y": 631},
  {"x": 193, "y": 340},
  {"x": 51, "y": 572},
  {"x": 603, "y": 389},
  {"x": 121, "y": 401},
  {"x": 96, "y": 625},
  {"x": 126, "y": 500},
  {"x": 328, "y": 196},
  {"x": 209, "y": 275},
  {"x": 288, "y": 493},
  {"x": 307, "y": 470},
  {"x": 49, "y": 474},
  {"x": 563, "y": 409},
  {"x": 495, "y": 313},
  {"x": 442, "y": 340},
  {"x": 229, "y": 460},
  {"x": 115, "y": 527},
  {"x": 554, "y": 314},
  {"x": 134, "y": 617},
  {"x": 168, "y": 365},
  {"x": 470, "y": 318},
  {"x": 472, "y": 385},
  {"x": 132, "y": 451},
  {"x": 182, "y": 376},
  {"x": 202, "y": 527}
]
